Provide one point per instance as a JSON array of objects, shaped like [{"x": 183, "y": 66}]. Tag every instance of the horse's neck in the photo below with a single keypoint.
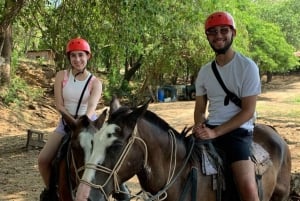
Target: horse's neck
[
  {"x": 161, "y": 144},
  {"x": 165, "y": 153}
]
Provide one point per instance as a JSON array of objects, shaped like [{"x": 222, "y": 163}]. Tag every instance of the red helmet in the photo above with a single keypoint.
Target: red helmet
[
  {"x": 219, "y": 18},
  {"x": 78, "y": 44}
]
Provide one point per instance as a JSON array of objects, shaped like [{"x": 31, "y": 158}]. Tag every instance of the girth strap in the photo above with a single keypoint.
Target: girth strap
[
  {"x": 191, "y": 181},
  {"x": 259, "y": 186}
]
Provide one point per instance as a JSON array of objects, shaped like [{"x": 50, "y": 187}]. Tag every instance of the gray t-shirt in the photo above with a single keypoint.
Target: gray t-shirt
[{"x": 240, "y": 76}]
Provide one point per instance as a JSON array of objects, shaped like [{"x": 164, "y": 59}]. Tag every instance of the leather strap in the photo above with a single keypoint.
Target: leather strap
[
  {"x": 230, "y": 96},
  {"x": 81, "y": 96}
]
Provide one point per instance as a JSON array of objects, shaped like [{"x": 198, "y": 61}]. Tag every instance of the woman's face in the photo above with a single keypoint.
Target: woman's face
[{"x": 79, "y": 59}]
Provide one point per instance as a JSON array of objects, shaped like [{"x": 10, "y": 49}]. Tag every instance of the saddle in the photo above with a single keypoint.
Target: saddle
[{"x": 214, "y": 165}]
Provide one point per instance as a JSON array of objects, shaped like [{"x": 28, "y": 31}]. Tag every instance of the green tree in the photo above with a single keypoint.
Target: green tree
[
  {"x": 286, "y": 15},
  {"x": 142, "y": 43}
]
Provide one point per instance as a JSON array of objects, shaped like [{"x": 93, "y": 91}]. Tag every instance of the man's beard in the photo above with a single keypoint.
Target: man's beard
[{"x": 224, "y": 49}]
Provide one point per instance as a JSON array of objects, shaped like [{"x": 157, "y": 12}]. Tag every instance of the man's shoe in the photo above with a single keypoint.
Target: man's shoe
[
  {"x": 45, "y": 195},
  {"x": 48, "y": 195},
  {"x": 122, "y": 196}
]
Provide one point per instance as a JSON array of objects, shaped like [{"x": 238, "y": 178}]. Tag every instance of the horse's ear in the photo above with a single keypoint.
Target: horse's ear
[
  {"x": 139, "y": 111},
  {"x": 114, "y": 104},
  {"x": 85, "y": 121},
  {"x": 149, "y": 101},
  {"x": 100, "y": 120},
  {"x": 68, "y": 119}
]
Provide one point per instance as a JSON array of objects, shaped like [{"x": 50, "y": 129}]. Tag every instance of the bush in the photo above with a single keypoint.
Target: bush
[{"x": 18, "y": 92}]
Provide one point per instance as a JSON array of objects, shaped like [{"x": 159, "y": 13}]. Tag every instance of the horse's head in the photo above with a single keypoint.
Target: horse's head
[
  {"x": 79, "y": 143},
  {"x": 114, "y": 159},
  {"x": 82, "y": 132}
]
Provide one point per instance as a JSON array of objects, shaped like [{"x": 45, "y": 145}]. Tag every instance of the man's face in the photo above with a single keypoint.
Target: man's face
[{"x": 220, "y": 38}]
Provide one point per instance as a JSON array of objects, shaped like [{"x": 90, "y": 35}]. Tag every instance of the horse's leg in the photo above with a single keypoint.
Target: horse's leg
[{"x": 282, "y": 188}]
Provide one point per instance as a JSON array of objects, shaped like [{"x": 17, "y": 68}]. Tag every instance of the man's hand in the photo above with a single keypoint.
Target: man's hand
[{"x": 202, "y": 132}]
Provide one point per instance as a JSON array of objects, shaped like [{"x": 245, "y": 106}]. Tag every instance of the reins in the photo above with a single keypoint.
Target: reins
[{"x": 173, "y": 179}]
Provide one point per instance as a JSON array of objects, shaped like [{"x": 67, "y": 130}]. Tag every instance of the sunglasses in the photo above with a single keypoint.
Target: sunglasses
[{"x": 215, "y": 31}]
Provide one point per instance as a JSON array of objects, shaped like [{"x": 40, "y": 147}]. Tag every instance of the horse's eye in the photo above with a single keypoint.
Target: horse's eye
[
  {"x": 118, "y": 129},
  {"x": 109, "y": 135}
]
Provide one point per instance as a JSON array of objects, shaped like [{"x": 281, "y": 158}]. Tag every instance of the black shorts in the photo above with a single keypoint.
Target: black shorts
[{"x": 235, "y": 145}]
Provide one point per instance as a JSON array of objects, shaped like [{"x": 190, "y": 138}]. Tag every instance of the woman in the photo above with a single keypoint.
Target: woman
[{"x": 68, "y": 87}]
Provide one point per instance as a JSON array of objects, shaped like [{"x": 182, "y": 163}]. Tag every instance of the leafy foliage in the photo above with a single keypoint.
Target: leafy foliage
[
  {"x": 142, "y": 43},
  {"x": 19, "y": 91}
]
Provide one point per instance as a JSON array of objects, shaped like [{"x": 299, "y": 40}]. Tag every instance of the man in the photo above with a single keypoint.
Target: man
[{"x": 229, "y": 125}]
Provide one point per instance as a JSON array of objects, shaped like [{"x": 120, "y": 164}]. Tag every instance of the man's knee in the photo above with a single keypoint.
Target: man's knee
[{"x": 248, "y": 191}]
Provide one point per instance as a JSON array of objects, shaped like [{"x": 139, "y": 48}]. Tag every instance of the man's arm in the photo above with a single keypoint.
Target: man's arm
[
  {"x": 200, "y": 109},
  {"x": 246, "y": 113}
]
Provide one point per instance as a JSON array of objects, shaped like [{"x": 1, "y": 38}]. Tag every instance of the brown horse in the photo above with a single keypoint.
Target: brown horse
[
  {"x": 135, "y": 141},
  {"x": 75, "y": 149}
]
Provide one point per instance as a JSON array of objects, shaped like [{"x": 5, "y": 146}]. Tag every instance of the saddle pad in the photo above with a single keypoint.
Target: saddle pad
[
  {"x": 212, "y": 166},
  {"x": 208, "y": 163},
  {"x": 261, "y": 158}
]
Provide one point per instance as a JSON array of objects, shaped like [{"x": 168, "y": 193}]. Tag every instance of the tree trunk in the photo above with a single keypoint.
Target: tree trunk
[
  {"x": 6, "y": 49},
  {"x": 11, "y": 10},
  {"x": 269, "y": 76}
]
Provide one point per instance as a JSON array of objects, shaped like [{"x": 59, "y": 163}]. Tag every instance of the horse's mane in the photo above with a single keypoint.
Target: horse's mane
[
  {"x": 158, "y": 121},
  {"x": 152, "y": 117},
  {"x": 186, "y": 139}
]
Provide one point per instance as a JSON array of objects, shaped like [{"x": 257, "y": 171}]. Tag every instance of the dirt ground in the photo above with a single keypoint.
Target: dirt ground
[{"x": 19, "y": 177}]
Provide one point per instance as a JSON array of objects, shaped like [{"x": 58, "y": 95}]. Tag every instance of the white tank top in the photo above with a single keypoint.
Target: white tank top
[{"x": 72, "y": 90}]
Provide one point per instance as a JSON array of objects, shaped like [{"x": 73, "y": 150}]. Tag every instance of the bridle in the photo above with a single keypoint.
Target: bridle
[{"x": 113, "y": 173}]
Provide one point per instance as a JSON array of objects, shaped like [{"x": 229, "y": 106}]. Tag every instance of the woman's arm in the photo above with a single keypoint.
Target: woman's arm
[{"x": 59, "y": 102}]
